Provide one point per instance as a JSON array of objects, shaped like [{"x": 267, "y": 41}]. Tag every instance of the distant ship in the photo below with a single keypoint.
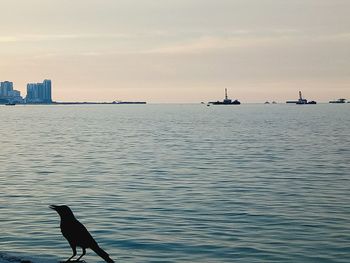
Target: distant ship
[
  {"x": 301, "y": 101},
  {"x": 226, "y": 101},
  {"x": 128, "y": 102},
  {"x": 338, "y": 101},
  {"x": 10, "y": 104}
]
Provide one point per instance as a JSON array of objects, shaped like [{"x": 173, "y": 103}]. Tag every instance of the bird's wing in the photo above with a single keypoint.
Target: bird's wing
[
  {"x": 85, "y": 239},
  {"x": 77, "y": 234}
]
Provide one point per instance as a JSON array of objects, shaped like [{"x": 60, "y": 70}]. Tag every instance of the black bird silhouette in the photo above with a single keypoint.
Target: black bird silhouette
[{"x": 76, "y": 234}]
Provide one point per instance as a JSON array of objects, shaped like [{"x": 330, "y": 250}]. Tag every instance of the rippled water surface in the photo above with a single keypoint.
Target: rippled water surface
[{"x": 179, "y": 183}]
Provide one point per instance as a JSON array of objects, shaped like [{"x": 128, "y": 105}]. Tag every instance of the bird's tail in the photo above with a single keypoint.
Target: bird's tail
[{"x": 103, "y": 254}]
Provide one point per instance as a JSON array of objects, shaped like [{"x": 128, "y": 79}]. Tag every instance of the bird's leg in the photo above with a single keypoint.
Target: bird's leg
[
  {"x": 84, "y": 251},
  {"x": 74, "y": 253}
]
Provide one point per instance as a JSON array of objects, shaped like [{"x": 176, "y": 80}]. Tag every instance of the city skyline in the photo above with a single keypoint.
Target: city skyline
[
  {"x": 40, "y": 92},
  {"x": 178, "y": 51}
]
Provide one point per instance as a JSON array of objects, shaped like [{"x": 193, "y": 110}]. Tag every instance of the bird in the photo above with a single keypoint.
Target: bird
[{"x": 77, "y": 235}]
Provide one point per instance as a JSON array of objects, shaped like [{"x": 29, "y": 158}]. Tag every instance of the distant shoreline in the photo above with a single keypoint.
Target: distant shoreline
[
  {"x": 85, "y": 103},
  {"x": 143, "y": 103},
  {"x": 113, "y": 103}
]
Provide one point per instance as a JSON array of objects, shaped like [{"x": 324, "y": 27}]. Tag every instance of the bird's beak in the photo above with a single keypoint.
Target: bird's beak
[{"x": 54, "y": 207}]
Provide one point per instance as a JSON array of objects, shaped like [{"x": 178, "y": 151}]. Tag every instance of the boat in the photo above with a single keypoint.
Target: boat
[
  {"x": 10, "y": 104},
  {"x": 338, "y": 101},
  {"x": 301, "y": 101},
  {"x": 226, "y": 101},
  {"x": 128, "y": 102}
]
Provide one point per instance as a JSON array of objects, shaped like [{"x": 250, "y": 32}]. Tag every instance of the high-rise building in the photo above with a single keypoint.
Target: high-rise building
[
  {"x": 47, "y": 91},
  {"x": 39, "y": 92},
  {"x": 15, "y": 96},
  {"x": 8, "y": 94},
  {"x": 5, "y": 88},
  {"x": 32, "y": 93}
]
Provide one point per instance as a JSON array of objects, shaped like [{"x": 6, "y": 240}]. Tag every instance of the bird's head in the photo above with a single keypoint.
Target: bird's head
[{"x": 63, "y": 210}]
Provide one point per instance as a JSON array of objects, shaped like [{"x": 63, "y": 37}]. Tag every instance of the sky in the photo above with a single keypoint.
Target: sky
[{"x": 170, "y": 51}]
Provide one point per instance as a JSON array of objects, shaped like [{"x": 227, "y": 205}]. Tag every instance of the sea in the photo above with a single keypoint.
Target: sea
[{"x": 178, "y": 182}]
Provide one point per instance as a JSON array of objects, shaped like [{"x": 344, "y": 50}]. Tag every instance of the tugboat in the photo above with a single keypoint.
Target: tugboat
[
  {"x": 226, "y": 101},
  {"x": 302, "y": 101}
]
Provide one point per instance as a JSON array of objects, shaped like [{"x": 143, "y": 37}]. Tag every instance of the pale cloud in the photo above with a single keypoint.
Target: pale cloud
[
  {"x": 8, "y": 39},
  {"x": 36, "y": 38},
  {"x": 213, "y": 43},
  {"x": 59, "y": 37},
  {"x": 197, "y": 46}
]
